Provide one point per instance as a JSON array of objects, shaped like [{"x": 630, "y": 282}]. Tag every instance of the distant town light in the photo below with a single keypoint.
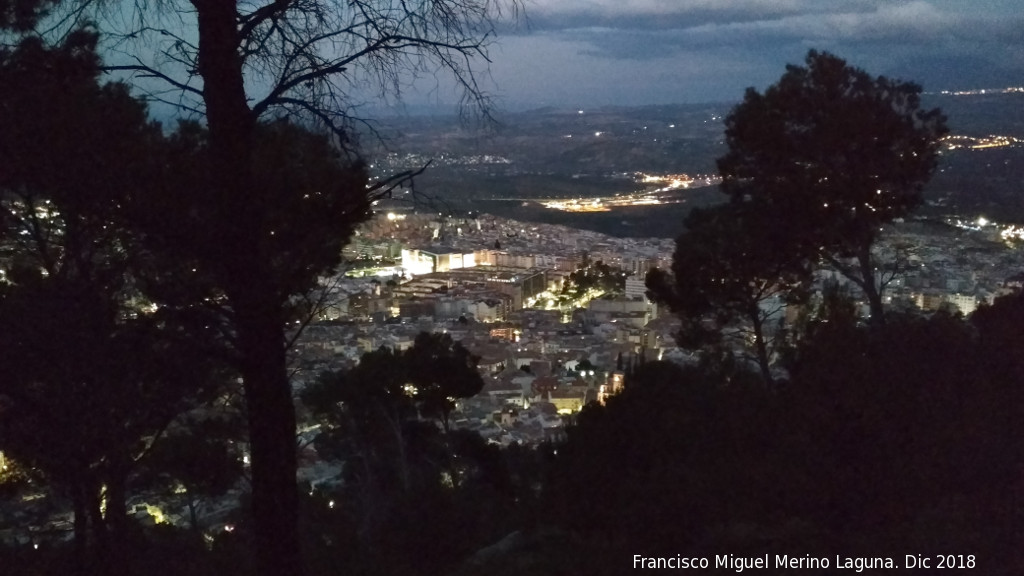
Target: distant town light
[{"x": 982, "y": 221}]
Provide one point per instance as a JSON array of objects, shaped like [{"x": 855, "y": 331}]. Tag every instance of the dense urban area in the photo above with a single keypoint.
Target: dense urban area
[
  {"x": 269, "y": 338},
  {"x": 546, "y": 347}
]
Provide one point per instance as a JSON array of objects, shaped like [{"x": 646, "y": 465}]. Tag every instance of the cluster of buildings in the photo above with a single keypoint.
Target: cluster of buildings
[
  {"x": 483, "y": 268},
  {"x": 949, "y": 267},
  {"x": 496, "y": 285},
  {"x": 536, "y": 369}
]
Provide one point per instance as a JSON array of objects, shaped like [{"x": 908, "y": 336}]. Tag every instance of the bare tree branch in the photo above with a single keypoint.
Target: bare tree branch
[
  {"x": 249, "y": 22},
  {"x": 149, "y": 72}
]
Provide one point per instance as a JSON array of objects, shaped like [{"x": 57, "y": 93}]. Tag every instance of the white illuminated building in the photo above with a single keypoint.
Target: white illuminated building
[{"x": 436, "y": 259}]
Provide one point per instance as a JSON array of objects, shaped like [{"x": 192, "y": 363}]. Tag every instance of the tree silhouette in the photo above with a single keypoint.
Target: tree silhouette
[
  {"x": 594, "y": 276},
  {"x": 834, "y": 154},
  {"x": 442, "y": 371},
  {"x": 247, "y": 261},
  {"x": 905, "y": 432},
  {"x": 365, "y": 410},
  {"x": 74, "y": 153},
  {"x": 732, "y": 274},
  {"x": 198, "y": 459},
  {"x": 22, "y": 15},
  {"x": 664, "y": 434},
  {"x": 400, "y": 468},
  {"x": 75, "y": 410},
  {"x": 306, "y": 55},
  {"x": 92, "y": 372},
  {"x": 910, "y": 429}
]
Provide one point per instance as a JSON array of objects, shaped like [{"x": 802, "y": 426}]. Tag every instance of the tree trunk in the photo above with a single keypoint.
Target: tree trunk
[
  {"x": 193, "y": 516},
  {"x": 243, "y": 263},
  {"x": 101, "y": 540},
  {"x": 872, "y": 291},
  {"x": 445, "y": 413},
  {"x": 80, "y": 505},
  {"x": 115, "y": 516},
  {"x": 763, "y": 360},
  {"x": 272, "y": 440},
  {"x": 403, "y": 462}
]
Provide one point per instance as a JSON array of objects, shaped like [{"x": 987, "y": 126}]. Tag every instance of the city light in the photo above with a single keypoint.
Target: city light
[
  {"x": 955, "y": 142},
  {"x": 1012, "y": 233}
]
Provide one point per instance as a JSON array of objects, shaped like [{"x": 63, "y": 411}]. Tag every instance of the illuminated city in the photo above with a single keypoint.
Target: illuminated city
[
  {"x": 972, "y": 143},
  {"x": 511, "y": 287},
  {"x": 668, "y": 193}
]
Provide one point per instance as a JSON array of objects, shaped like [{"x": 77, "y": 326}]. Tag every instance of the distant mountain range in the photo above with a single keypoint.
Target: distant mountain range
[{"x": 565, "y": 153}]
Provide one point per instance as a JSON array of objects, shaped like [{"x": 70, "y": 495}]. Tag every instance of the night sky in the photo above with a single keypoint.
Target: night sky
[
  {"x": 634, "y": 52},
  {"x": 580, "y": 53}
]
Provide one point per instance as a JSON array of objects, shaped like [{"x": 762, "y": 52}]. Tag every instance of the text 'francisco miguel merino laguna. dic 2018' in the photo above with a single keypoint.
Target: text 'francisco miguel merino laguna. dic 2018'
[{"x": 739, "y": 563}]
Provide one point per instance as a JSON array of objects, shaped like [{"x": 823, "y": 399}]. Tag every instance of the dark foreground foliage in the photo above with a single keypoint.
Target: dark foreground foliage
[
  {"x": 885, "y": 441},
  {"x": 903, "y": 439}
]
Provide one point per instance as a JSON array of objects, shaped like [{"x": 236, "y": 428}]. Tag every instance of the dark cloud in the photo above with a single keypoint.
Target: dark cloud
[
  {"x": 640, "y": 51},
  {"x": 646, "y": 15},
  {"x": 913, "y": 24}
]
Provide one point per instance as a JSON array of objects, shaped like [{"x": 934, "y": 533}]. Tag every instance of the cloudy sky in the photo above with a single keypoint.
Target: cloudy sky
[{"x": 631, "y": 52}]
